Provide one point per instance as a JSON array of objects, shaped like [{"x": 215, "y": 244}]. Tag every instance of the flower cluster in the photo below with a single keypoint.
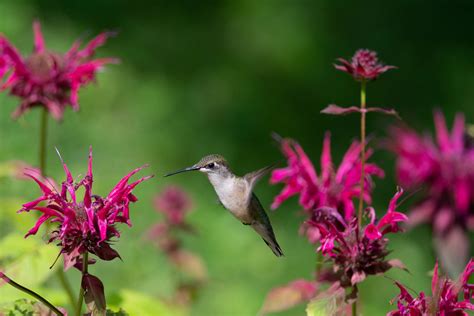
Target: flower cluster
[
  {"x": 355, "y": 251},
  {"x": 175, "y": 203},
  {"x": 444, "y": 300},
  {"x": 365, "y": 65},
  {"x": 46, "y": 78},
  {"x": 87, "y": 225},
  {"x": 445, "y": 170},
  {"x": 332, "y": 188}
]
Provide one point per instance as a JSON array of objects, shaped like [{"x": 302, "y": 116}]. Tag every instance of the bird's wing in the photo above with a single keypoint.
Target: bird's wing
[
  {"x": 253, "y": 177},
  {"x": 261, "y": 224},
  {"x": 257, "y": 212}
]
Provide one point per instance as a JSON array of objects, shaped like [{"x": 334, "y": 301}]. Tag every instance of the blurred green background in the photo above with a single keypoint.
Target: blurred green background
[{"x": 219, "y": 77}]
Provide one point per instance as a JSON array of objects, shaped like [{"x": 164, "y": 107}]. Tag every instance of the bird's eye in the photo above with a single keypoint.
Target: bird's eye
[{"x": 211, "y": 165}]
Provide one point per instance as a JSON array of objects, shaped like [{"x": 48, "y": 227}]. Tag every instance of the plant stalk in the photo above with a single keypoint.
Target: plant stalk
[
  {"x": 354, "y": 308},
  {"x": 319, "y": 264},
  {"x": 32, "y": 293},
  {"x": 66, "y": 286},
  {"x": 85, "y": 262},
  {"x": 362, "y": 149},
  {"x": 43, "y": 141}
]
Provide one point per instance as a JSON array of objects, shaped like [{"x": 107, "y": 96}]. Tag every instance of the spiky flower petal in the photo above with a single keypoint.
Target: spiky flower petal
[
  {"x": 87, "y": 225},
  {"x": 49, "y": 79}
]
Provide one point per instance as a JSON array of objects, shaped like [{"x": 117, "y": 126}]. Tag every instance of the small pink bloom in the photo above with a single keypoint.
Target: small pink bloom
[
  {"x": 448, "y": 297},
  {"x": 388, "y": 223},
  {"x": 364, "y": 65},
  {"x": 87, "y": 225},
  {"x": 49, "y": 79}
]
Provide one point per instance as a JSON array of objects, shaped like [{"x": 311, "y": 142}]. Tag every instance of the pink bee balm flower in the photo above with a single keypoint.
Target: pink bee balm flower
[
  {"x": 332, "y": 188},
  {"x": 355, "y": 251},
  {"x": 364, "y": 66},
  {"x": 174, "y": 203},
  {"x": 49, "y": 79},
  {"x": 447, "y": 298},
  {"x": 445, "y": 170},
  {"x": 87, "y": 225}
]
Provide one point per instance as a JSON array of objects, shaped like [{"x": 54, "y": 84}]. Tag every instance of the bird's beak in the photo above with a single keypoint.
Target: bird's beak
[{"x": 193, "y": 168}]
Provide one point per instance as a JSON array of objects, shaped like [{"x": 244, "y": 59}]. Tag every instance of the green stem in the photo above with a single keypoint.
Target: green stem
[
  {"x": 319, "y": 264},
  {"x": 85, "y": 262},
  {"x": 42, "y": 163},
  {"x": 354, "y": 308},
  {"x": 32, "y": 293},
  {"x": 362, "y": 149},
  {"x": 67, "y": 287},
  {"x": 43, "y": 141}
]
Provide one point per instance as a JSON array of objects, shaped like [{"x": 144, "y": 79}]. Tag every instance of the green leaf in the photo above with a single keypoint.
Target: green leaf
[
  {"x": 329, "y": 302},
  {"x": 26, "y": 307},
  {"x": 27, "y": 261},
  {"x": 121, "y": 312},
  {"x": 136, "y": 303}
]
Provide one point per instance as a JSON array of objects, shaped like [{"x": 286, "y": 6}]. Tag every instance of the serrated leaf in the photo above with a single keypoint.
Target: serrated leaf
[
  {"x": 120, "y": 312},
  {"x": 94, "y": 294},
  {"x": 27, "y": 307}
]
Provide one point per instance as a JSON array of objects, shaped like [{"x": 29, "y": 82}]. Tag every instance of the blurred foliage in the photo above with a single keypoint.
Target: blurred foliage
[{"x": 219, "y": 77}]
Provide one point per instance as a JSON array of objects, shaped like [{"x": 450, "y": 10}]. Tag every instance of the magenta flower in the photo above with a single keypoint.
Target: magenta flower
[
  {"x": 355, "y": 251},
  {"x": 364, "y": 66},
  {"x": 49, "y": 79},
  {"x": 332, "y": 188},
  {"x": 448, "y": 298},
  {"x": 174, "y": 203},
  {"x": 87, "y": 225},
  {"x": 445, "y": 170}
]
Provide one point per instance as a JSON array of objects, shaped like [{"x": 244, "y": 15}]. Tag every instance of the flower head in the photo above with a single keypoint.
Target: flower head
[
  {"x": 332, "y": 188},
  {"x": 356, "y": 251},
  {"x": 445, "y": 170},
  {"x": 364, "y": 65},
  {"x": 87, "y": 225},
  {"x": 447, "y": 297},
  {"x": 174, "y": 203},
  {"x": 49, "y": 79}
]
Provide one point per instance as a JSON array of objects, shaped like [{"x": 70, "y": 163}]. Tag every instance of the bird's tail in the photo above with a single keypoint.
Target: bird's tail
[
  {"x": 268, "y": 237},
  {"x": 275, "y": 247}
]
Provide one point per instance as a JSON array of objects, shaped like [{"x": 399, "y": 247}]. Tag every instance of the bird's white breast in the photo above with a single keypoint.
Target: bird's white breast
[{"x": 233, "y": 194}]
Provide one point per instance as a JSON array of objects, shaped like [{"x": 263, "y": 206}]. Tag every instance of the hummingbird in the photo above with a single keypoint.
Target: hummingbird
[{"x": 236, "y": 195}]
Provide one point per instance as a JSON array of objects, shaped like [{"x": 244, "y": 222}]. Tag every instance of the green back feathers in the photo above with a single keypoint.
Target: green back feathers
[{"x": 212, "y": 158}]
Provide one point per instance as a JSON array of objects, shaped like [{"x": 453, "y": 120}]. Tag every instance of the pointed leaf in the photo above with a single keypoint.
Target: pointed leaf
[
  {"x": 334, "y": 109},
  {"x": 105, "y": 252},
  {"x": 94, "y": 294},
  {"x": 287, "y": 296},
  {"x": 396, "y": 263}
]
